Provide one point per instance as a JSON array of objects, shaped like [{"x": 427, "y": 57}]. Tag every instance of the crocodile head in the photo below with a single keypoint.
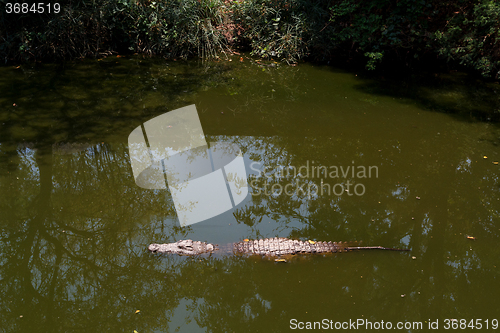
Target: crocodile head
[{"x": 182, "y": 247}]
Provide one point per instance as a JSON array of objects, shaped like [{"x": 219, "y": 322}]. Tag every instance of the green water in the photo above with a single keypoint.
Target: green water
[{"x": 75, "y": 227}]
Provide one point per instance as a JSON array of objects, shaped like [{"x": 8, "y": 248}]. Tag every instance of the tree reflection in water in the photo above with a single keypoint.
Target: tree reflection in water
[{"x": 75, "y": 231}]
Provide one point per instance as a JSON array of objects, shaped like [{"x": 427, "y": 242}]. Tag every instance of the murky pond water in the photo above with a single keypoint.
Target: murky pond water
[{"x": 330, "y": 156}]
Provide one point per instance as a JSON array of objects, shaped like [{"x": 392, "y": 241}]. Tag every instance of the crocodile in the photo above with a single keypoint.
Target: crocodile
[{"x": 271, "y": 247}]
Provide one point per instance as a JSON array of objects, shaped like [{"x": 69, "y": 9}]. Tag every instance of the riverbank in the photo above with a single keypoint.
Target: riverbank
[{"x": 369, "y": 34}]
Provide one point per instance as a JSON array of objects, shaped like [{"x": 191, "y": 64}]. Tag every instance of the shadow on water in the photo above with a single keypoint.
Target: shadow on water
[
  {"x": 88, "y": 101},
  {"x": 458, "y": 94}
]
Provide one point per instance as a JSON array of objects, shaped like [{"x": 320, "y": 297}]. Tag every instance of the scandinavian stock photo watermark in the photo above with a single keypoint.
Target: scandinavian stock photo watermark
[
  {"x": 364, "y": 324},
  {"x": 311, "y": 180},
  {"x": 205, "y": 179}
]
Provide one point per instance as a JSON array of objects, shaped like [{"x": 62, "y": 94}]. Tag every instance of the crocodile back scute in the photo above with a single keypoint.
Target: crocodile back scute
[{"x": 283, "y": 246}]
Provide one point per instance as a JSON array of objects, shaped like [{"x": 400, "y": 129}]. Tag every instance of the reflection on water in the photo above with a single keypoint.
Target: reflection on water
[{"x": 75, "y": 226}]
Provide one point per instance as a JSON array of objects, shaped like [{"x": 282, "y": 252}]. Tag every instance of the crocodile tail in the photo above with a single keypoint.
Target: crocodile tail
[{"x": 356, "y": 248}]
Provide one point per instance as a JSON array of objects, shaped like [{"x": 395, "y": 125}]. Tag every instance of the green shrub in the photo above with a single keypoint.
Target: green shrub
[
  {"x": 173, "y": 28},
  {"x": 472, "y": 38},
  {"x": 280, "y": 29},
  {"x": 463, "y": 32}
]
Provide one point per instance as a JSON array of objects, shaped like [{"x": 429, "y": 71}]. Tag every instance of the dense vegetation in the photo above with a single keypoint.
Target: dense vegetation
[{"x": 462, "y": 32}]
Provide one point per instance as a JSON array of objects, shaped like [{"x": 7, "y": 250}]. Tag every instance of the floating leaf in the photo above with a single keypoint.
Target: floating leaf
[
  {"x": 246, "y": 240},
  {"x": 485, "y": 156},
  {"x": 280, "y": 260},
  {"x": 471, "y": 237},
  {"x": 496, "y": 163},
  {"x": 311, "y": 242},
  {"x": 137, "y": 311}
]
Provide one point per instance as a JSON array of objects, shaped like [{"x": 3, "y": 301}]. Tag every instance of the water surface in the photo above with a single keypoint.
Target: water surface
[{"x": 75, "y": 227}]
